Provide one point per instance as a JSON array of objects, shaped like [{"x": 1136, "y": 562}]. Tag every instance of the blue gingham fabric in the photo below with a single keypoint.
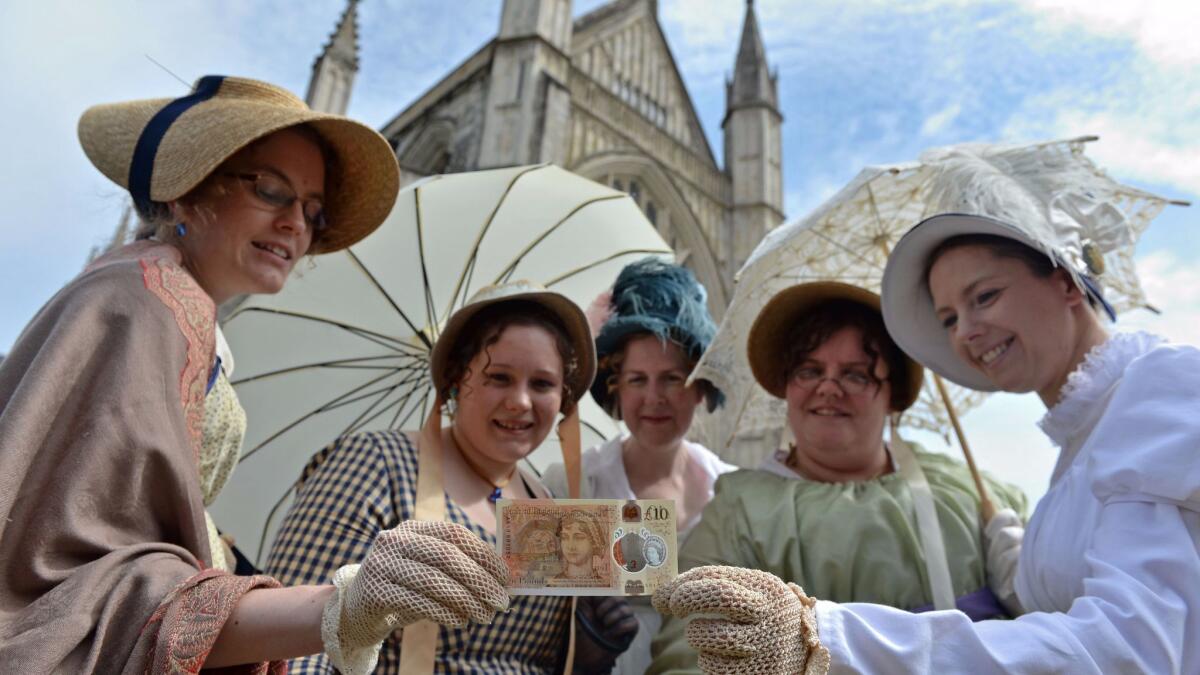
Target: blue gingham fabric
[{"x": 365, "y": 483}]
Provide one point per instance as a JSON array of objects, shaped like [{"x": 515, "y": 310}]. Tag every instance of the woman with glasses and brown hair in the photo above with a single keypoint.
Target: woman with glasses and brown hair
[
  {"x": 836, "y": 511},
  {"x": 118, "y": 423}
]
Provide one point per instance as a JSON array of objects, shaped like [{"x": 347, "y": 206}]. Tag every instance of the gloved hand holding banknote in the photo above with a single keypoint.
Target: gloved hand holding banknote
[{"x": 761, "y": 625}]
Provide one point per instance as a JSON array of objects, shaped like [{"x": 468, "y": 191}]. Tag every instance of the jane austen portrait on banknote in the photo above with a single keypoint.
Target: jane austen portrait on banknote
[{"x": 582, "y": 546}]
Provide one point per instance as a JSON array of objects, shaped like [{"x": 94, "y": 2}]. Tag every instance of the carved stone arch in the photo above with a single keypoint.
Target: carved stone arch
[
  {"x": 428, "y": 150},
  {"x": 684, "y": 224}
]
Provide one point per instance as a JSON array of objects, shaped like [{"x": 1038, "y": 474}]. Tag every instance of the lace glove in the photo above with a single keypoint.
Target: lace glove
[
  {"x": 419, "y": 570},
  {"x": 766, "y": 625},
  {"x": 1002, "y": 538},
  {"x": 607, "y": 627}
]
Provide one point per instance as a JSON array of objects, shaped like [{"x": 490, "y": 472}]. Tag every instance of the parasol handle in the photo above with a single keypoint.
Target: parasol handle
[{"x": 986, "y": 508}]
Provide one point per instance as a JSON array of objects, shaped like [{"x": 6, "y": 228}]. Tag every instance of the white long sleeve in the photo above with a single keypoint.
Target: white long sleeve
[
  {"x": 1110, "y": 563},
  {"x": 1144, "y": 575}
]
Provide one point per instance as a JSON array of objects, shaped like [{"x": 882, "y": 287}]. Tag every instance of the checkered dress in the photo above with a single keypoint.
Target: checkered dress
[{"x": 365, "y": 483}]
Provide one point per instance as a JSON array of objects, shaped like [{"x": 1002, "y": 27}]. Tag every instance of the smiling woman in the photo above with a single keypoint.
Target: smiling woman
[
  {"x": 506, "y": 365},
  {"x": 650, "y": 331},
  {"x": 118, "y": 422},
  {"x": 840, "y": 495}
]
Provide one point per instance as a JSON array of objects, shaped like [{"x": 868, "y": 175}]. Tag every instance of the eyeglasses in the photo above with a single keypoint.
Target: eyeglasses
[
  {"x": 853, "y": 382},
  {"x": 274, "y": 192}
]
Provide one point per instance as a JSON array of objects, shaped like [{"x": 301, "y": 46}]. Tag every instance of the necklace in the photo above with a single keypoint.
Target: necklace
[{"x": 496, "y": 486}]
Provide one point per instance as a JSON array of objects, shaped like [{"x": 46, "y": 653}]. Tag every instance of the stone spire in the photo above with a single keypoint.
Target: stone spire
[
  {"x": 334, "y": 70},
  {"x": 753, "y": 146},
  {"x": 753, "y": 83}
]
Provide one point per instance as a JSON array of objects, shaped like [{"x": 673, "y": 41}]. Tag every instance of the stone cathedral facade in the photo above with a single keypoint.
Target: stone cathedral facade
[{"x": 602, "y": 96}]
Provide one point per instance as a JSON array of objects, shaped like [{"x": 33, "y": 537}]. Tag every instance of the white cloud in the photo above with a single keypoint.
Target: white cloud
[
  {"x": 1165, "y": 30},
  {"x": 1173, "y": 286},
  {"x": 1131, "y": 147},
  {"x": 935, "y": 123},
  {"x": 1146, "y": 113}
]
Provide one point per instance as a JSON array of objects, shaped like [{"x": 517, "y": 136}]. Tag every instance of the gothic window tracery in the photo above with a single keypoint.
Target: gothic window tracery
[{"x": 651, "y": 207}]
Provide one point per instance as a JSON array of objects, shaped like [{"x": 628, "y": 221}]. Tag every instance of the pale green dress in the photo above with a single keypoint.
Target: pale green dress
[{"x": 846, "y": 542}]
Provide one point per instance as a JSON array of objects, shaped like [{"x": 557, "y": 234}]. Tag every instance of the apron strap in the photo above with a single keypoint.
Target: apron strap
[
  {"x": 569, "y": 441},
  {"x": 419, "y": 641},
  {"x": 936, "y": 567}
]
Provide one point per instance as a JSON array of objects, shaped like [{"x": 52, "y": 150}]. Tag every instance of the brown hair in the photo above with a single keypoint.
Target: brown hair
[
  {"x": 1039, "y": 264},
  {"x": 157, "y": 220},
  {"x": 589, "y": 524},
  {"x": 815, "y": 326},
  {"x": 1002, "y": 247},
  {"x": 484, "y": 329},
  {"x": 612, "y": 363}
]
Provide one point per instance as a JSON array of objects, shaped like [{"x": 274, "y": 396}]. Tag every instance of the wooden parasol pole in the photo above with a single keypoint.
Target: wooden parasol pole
[{"x": 986, "y": 508}]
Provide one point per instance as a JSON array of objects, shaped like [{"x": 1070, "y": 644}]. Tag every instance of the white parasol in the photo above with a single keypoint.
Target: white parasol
[
  {"x": 345, "y": 346},
  {"x": 848, "y": 239}
]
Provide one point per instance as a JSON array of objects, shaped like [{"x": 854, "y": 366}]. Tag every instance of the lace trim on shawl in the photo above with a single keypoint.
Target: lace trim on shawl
[
  {"x": 190, "y": 618},
  {"x": 1091, "y": 381},
  {"x": 195, "y": 315}
]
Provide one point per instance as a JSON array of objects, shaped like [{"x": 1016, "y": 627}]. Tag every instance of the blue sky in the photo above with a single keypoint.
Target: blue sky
[{"x": 861, "y": 82}]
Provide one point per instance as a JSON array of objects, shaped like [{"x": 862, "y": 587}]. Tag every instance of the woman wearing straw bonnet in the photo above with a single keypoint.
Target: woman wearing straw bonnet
[
  {"x": 650, "y": 331},
  {"x": 504, "y": 367},
  {"x": 992, "y": 293},
  {"x": 839, "y": 512},
  {"x": 118, "y": 424}
]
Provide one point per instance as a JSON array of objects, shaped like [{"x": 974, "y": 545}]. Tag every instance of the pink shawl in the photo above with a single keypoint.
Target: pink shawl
[{"x": 103, "y": 548}]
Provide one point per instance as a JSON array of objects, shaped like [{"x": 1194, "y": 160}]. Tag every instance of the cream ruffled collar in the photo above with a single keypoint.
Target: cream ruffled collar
[{"x": 1090, "y": 383}]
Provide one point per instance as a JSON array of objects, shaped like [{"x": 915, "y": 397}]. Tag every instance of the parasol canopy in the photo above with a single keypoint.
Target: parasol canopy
[
  {"x": 848, "y": 239},
  {"x": 345, "y": 346}
]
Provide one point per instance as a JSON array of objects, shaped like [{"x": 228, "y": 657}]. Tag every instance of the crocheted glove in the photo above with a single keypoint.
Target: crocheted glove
[
  {"x": 1002, "y": 538},
  {"x": 419, "y": 570},
  {"x": 767, "y": 626}
]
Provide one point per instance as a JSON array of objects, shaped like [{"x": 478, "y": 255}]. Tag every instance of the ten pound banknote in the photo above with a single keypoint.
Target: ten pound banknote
[{"x": 587, "y": 546}]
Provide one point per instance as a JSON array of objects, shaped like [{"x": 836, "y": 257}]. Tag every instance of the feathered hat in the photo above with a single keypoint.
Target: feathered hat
[{"x": 655, "y": 297}]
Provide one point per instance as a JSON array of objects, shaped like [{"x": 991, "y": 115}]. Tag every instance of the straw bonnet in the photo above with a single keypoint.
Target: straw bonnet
[
  {"x": 1070, "y": 215},
  {"x": 160, "y": 149},
  {"x": 767, "y": 342},
  {"x": 660, "y": 298},
  {"x": 564, "y": 308}
]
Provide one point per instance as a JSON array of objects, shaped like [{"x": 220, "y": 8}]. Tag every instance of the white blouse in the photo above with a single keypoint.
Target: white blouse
[
  {"x": 604, "y": 475},
  {"x": 1110, "y": 567}
]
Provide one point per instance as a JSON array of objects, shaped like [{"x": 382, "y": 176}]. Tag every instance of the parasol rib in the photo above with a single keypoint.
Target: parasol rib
[
  {"x": 381, "y": 339},
  {"x": 343, "y": 364},
  {"x": 329, "y": 405},
  {"x": 464, "y": 279},
  {"x": 507, "y": 272},
  {"x": 387, "y": 296},
  {"x": 580, "y": 270},
  {"x": 430, "y": 312},
  {"x": 845, "y": 249}
]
